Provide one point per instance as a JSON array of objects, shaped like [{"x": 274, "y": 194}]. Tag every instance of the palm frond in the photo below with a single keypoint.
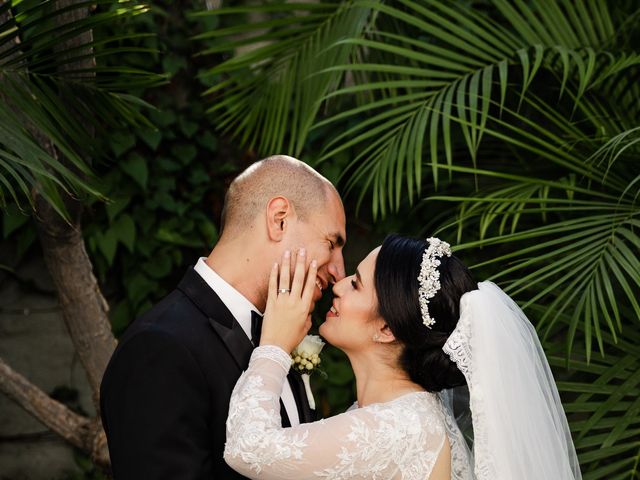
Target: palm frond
[
  {"x": 272, "y": 91},
  {"x": 49, "y": 99},
  {"x": 457, "y": 56},
  {"x": 624, "y": 146},
  {"x": 600, "y": 398},
  {"x": 470, "y": 97}
]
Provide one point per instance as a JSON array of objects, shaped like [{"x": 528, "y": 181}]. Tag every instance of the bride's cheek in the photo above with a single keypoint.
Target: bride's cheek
[{"x": 322, "y": 327}]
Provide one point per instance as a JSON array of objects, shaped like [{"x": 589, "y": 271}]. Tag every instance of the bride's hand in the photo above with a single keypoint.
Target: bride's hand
[{"x": 287, "y": 316}]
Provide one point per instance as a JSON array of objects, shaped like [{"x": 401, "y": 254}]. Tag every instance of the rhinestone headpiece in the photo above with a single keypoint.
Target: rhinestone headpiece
[{"x": 429, "y": 277}]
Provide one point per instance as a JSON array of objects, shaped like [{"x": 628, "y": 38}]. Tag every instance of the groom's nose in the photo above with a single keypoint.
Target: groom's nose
[{"x": 336, "y": 269}]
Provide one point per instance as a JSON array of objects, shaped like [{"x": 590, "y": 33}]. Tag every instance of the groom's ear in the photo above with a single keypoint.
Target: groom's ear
[{"x": 279, "y": 212}]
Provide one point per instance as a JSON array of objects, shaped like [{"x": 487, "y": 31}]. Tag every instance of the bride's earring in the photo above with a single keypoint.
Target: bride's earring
[{"x": 376, "y": 337}]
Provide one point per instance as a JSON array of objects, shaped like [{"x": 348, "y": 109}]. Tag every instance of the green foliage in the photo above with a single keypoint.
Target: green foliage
[
  {"x": 523, "y": 118},
  {"x": 292, "y": 70},
  {"x": 40, "y": 72},
  {"x": 165, "y": 189},
  {"x": 161, "y": 183}
]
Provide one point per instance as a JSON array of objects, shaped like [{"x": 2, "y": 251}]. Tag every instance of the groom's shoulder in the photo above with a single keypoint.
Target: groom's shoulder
[
  {"x": 166, "y": 312},
  {"x": 164, "y": 342},
  {"x": 174, "y": 317}
]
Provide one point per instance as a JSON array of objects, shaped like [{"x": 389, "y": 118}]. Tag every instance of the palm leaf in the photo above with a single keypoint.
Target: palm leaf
[
  {"x": 576, "y": 261},
  {"x": 601, "y": 401},
  {"x": 48, "y": 99},
  {"x": 271, "y": 92},
  {"x": 459, "y": 49},
  {"x": 473, "y": 117}
]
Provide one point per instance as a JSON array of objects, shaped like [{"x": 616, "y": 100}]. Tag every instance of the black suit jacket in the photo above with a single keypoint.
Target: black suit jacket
[{"x": 165, "y": 393}]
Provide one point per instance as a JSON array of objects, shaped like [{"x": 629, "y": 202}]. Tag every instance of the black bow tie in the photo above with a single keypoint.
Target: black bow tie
[{"x": 256, "y": 328}]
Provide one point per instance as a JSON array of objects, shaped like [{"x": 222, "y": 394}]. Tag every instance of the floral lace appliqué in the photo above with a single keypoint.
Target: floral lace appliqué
[
  {"x": 396, "y": 440},
  {"x": 249, "y": 420},
  {"x": 391, "y": 442}
]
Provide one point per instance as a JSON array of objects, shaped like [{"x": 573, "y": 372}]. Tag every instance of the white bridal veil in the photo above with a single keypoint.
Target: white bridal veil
[{"x": 520, "y": 429}]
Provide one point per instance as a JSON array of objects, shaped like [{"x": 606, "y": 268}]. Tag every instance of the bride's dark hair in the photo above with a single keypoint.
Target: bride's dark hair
[{"x": 396, "y": 283}]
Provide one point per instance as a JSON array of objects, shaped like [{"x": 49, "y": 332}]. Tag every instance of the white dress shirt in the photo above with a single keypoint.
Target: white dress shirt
[{"x": 241, "y": 309}]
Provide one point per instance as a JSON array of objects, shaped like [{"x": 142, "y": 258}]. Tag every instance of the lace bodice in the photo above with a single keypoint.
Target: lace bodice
[{"x": 399, "y": 439}]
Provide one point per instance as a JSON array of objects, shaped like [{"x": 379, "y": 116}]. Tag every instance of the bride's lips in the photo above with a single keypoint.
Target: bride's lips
[{"x": 332, "y": 312}]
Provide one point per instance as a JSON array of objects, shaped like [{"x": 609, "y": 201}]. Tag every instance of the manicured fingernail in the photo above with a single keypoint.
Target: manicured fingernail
[
  {"x": 275, "y": 266},
  {"x": 287, "y": 254},
  {"x": 302, "y": 252},
  {"x": 314, "y": 263}
]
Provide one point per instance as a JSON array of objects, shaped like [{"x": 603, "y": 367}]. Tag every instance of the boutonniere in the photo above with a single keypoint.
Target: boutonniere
[
  {"x": 305, "y": 359},
  {"x": 306, "y": 356}
]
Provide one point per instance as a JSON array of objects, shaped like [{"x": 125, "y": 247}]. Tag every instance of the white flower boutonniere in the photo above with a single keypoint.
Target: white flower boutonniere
[{"x": 305, "y": 358}]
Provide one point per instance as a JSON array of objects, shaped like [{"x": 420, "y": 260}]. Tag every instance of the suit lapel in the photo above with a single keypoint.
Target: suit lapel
[
  {"x": 220, "y": 318},
  {"x": 235, "y": 340},
  {"x": 284, "y": 417}
]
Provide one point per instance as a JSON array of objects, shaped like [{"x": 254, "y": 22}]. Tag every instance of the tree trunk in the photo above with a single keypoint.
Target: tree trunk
[
  {"x": 84, "y": 309},
  {"x": 79, "y": 431}
]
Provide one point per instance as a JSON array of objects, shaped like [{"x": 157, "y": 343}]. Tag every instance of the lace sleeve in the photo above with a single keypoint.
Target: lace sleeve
[{"x": 398, "y": 439}]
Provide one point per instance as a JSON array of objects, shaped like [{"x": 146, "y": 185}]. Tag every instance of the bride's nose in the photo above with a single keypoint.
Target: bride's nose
[{"x": 338, "y": 287}]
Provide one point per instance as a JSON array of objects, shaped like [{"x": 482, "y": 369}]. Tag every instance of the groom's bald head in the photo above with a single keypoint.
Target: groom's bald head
[{"x": 278, "y": 175}]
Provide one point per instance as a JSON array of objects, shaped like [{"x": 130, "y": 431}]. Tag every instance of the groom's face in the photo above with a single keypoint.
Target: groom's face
[{"x": 323, "y": 234}]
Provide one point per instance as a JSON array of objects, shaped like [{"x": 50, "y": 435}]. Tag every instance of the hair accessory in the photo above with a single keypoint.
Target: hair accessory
[{"x": 429, "y": 277}]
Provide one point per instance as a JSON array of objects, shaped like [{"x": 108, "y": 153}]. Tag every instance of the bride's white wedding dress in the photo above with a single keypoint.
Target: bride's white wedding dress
[
  {"x": 520, "y": 429},
  {"x": 399, "y": 439}
]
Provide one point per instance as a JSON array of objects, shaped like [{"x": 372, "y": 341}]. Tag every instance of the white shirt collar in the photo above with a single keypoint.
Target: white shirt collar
[{"x": 237, "y": 303}]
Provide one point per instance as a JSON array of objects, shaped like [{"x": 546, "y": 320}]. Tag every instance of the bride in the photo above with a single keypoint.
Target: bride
[{"x": 414, "y": 325}]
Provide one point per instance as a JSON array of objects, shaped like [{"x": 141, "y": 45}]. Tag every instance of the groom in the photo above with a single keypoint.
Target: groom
[{"x": 165, "y": 393}]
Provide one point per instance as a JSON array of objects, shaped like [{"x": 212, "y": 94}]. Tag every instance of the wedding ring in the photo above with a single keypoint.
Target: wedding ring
[{"x": 284, "y": 290}]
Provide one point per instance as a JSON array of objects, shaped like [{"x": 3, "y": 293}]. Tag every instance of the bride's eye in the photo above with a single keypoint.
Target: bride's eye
[{"x": 354, "y": 284}]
